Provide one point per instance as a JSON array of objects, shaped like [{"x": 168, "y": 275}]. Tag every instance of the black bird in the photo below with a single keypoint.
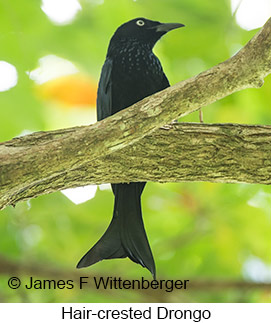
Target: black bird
[{"x": 130, "y": 73}]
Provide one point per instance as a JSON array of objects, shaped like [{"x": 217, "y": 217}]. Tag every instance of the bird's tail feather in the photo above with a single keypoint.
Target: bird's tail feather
[{"x": 125, "y": 236}]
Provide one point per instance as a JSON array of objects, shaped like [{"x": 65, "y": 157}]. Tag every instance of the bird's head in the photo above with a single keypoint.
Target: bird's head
[{"x": 144, "y": 30}]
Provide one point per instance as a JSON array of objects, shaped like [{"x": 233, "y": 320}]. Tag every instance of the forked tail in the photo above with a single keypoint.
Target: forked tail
[{"x": 126, "y": 235}]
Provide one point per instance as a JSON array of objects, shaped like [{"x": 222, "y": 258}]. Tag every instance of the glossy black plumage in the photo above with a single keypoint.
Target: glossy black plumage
[{"x": 130, "y": 73}]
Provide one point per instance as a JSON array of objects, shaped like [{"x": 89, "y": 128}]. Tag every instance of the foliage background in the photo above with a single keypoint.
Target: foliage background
[{"x": 207, "y": 233}]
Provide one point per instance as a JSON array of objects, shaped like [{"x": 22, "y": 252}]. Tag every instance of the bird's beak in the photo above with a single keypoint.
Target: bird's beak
[{"x": 168, "y": 27}]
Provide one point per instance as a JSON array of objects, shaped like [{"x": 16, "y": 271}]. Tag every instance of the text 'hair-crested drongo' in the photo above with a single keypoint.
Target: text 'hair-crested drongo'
[{"x": 130, "y": 73}]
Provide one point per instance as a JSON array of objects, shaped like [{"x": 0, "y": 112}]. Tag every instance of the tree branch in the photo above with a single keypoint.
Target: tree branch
[
  {"x": 48, "y": 161},
  {"x": 178, "y": 152}
]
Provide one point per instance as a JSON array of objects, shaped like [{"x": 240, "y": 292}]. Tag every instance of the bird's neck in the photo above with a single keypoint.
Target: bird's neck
[{"x": 124, "y": 45}]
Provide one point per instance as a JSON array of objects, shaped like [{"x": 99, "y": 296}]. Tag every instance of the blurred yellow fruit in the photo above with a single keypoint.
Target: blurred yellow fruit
[{"x": 70, "y": 90}]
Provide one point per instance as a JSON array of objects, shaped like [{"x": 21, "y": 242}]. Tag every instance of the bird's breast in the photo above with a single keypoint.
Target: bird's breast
[
  {"x": 136, "y": 74},
  {"x": 138, "y": 61}
]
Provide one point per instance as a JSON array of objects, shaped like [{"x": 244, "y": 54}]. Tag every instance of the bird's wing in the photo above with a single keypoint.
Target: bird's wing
[{"x": 104, "y": 98}]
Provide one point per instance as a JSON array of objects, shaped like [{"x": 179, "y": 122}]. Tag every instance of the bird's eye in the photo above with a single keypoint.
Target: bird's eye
[{"x": 140, "y": 23}]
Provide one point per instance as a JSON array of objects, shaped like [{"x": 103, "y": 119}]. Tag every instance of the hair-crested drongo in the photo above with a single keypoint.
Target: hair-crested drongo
[{"x": 130, "y": 73}]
